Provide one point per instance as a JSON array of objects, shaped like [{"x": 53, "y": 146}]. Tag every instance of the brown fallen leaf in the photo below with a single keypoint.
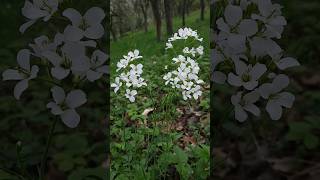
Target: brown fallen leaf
[
  {"x": 147, "y": 111},
  {"x": 189, "y": 140}
]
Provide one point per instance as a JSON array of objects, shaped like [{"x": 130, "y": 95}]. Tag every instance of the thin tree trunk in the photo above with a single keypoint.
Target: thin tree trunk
[
  {"x": 202, "y": 6},
  {"x": 184, "y": 13},
  {"x": 155, "y": 4},
  {"x": 168, "y": 12},
  {"x": 144, "y": 8}
]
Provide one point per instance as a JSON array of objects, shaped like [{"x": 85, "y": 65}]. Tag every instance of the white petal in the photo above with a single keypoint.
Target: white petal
[
  {"x": 76, "y": 98},
  {"x": 73, "y": 33},
  {"x": 93, "y": 75},
  {"x": 19, "y": 88},
  {"x": 265, "y": 90},
  {"x": 94, "y": 32},
  {"x": 265, "y": 7},
  {"x": 222, "y": 25},
  {"x": 234, "y": 80},
  {"x": 94, "y": 15},
  {"x": 34, "y": 72},
  {"x": 99, "y": 57},
  {"x": 23, "y": 59},
  {"x": 70, "y": 118},
  {"x": 12, "y": 74},
  {"x": 74, "y": 16},
  {"x": 55, "y": 109},
  {"x": 280, "y": 82},
  {"x": 251, "y": 97},
  {"x": 235, "y": 99},
  {"x": 58, "y": 94},
  {"x": 53, "y": 57},
  {"x": 287, "y": 63},
  {"x": 253, "y": 109},
  {"x": 240, "y": 66},
  {"x": 237, "y": 42},
  {"x": 26, "y": 25},
  {"x": 250, "y": 85},
  {"x": 59, "y": 72},
  {"x": 103, "y": 69},
  {"x": 233, "y": 14},
  {"x": 285, "y": 99},
  {"x": 32, "y": 12},
  {"x": 248, "y": 27},
  {"x": 278, "y": 21},
  {"x": 240, "y": 114},
  {"x": 274, "y": 109},
  {"x": 257, "y": 71}
]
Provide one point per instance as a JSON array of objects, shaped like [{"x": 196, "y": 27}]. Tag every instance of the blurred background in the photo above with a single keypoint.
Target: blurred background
[
  {"x": 24, "y": 125},
  {"x": 287, "y": 149}
]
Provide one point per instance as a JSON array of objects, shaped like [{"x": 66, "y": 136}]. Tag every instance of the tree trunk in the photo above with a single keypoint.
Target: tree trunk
[
  {"x": 184, "y": 13},
  {"x": 144, "y": 9},
  {"x": 202, "y": 6},
  {"x": 168, "y": 12},
  {"x": 155, "y": 4}
]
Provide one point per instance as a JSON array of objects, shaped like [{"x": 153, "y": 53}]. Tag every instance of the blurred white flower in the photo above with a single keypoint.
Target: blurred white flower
[
  {"x": 247, "y": 76},
  {"x": 36, "y": 10},
  {"x": 276, "y": 98},
  {"x": 65, "y": 105},
  {"x": 97, "y": 66},
  {"x": 24, "y": 73},
  {"x": 88, "y": 25},
  {"x": 245, "y": 50},
  {"x": 245, "y": 103},
  {"x": 131, "y": 95}
]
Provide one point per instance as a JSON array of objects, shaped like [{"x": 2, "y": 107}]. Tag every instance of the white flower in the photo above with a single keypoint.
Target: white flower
[
  {"x": 276, "y": 98},
  {"x": 36, "y": 10},
  {"x": 185, "y": 77},
  {"x": 130, "y": 77},
  {"x": 65, "y": 105},
  {"x": 169, "y": 45},
  {"x": 88, "y": 25},
  {"x": 97, "y": 66},
  {"x": 25, "y": 73},
  {"x": 131, "y": 95},
  {"x": 117, "y": 84},
  {"x": 245, "y": 103},
  {"x": 247, "y": 76},
  {"x": 132, "y": 55},
  {"x": 200, "y": 50}
]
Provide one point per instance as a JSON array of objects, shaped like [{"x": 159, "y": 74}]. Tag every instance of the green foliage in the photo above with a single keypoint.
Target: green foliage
[
  {"x": 305, "y": 132},
  {"x": 144, "y": 146}
]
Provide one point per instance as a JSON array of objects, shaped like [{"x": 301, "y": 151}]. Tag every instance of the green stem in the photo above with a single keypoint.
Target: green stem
[{"x": 45, "y": 155}]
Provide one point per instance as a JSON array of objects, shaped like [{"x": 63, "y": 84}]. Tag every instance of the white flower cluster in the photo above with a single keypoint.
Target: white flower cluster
[
  {"x": 246, "y": 56},
  {"x": 65, "y": 57},
  {"x": 185, "y": 76},
  {"x": 183, "y": 33},
  {"x": 131, "y": 78}
]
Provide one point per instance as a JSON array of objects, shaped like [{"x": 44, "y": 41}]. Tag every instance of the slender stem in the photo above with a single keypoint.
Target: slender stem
[{"x": 45, "y": 155}]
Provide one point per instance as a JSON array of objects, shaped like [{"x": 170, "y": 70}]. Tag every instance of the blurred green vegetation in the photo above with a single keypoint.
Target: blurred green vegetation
[
  {"x": 292, "y": 141},
  {"x": 75, "y": 153}
]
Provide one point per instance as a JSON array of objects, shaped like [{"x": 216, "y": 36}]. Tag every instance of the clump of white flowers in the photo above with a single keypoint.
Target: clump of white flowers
[
  {"x": 185, "y": 75},
  {"x": 130, "y": 75},
  {"x": 65, "y": 58},
  {"x": 246, "y": 56}
]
